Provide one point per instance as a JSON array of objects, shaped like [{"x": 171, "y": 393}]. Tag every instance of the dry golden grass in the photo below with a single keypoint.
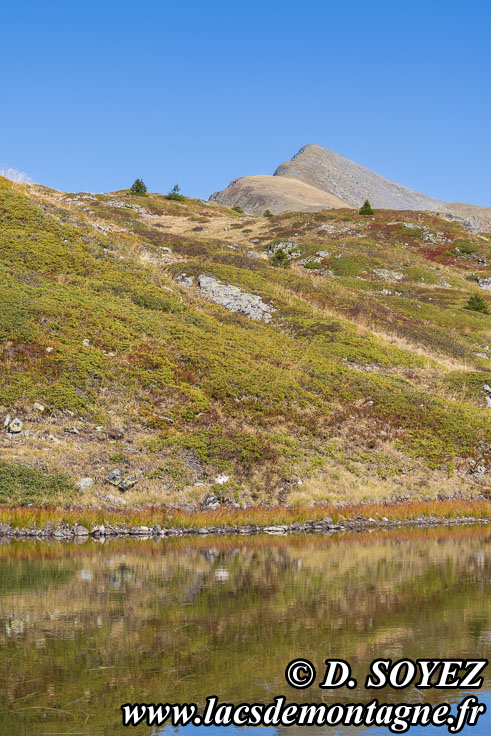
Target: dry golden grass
[
  {"x": 410, "y": 511},
  {"x": 434, "y": 358}
]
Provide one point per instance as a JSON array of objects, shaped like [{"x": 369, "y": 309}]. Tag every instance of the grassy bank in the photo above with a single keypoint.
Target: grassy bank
[{"x": 407, "y": 512}]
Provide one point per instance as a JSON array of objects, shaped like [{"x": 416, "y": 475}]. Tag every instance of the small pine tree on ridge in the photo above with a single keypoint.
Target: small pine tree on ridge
[
  {"x": 138, "y": 187},
  {"x": 175, "y": 194}
]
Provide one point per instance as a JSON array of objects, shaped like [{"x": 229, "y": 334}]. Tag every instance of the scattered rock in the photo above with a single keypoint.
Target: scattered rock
[
  {"x": 38, "y": 407},
  {"x": 487, "y": 390},
  {"x": 126, "y": 205},
  {"x": 127, "y": 483},
  {"x": 479, "y": 472},
  {"x": 124, "y": 484},
  {"x": 15, "y": 426},
  {"x": 290, "y": 247},
  {"x": 80, "y": 531},
  {"x": 484, "y": 282},
  {"x": 111, "y": 498},
  {"x": 185, "y": 280},
  {"x": 114, "y": 477},
  {"x": 85, "y": 483},
  {"x": 234, "y": 299},
  {"x": 222, "y": 478},
  {"x": 275, "y": 529},
  {"x": 388, "y": 275}
]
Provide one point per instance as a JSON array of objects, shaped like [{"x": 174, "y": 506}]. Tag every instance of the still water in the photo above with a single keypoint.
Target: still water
[{"x": 86, "y": 628}]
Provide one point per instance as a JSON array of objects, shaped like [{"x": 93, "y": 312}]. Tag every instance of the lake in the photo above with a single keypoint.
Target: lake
[{"x": 87, "y": 627}]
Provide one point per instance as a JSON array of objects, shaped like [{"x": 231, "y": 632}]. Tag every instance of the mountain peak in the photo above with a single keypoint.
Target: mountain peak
[
  {"x": 317, "y": 178},
  {"x": 351, "y": 182}
]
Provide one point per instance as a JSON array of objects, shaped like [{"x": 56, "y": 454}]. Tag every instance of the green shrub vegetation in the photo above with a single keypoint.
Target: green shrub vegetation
[
  {"x": 94, "y": 322},
  {"x": 21, "y": 485},
  {"x": 476, "y": 303}
]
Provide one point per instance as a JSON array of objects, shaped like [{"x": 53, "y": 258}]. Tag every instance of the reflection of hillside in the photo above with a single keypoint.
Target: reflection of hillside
[{"x": 183, "y": 619}]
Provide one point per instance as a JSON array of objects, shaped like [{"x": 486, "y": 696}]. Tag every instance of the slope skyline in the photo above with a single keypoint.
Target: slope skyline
[{"x": 102, "y": 96}]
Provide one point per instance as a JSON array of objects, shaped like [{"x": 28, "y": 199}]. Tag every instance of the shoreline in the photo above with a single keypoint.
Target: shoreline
[{"x": 27, "y": 523}]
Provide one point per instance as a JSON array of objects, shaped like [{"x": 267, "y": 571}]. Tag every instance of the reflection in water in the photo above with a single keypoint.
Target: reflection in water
[{"x": 84, "y": 629}]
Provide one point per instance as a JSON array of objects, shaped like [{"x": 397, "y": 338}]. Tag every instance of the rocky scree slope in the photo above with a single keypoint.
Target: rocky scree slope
[
  {"x": 152, "y": 352},
  {"x": 333, "y": 173}
]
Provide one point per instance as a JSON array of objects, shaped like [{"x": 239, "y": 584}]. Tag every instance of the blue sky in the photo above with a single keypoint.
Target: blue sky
[{"x": 95, "y": 94}]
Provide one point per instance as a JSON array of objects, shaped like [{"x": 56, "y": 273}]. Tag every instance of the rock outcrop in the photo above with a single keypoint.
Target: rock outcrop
[
  {"x": 234, "y": 299},
  {"x": 230, "y": 297}
]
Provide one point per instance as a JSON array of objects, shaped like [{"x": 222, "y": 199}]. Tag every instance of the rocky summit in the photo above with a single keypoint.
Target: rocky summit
[
  {"x": 187, "y": 354},
  {"x": 315, "y": 174}
]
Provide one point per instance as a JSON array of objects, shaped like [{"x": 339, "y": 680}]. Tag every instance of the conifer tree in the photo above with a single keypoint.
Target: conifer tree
[
  {"x": 138, "y": 187},
  {"x": 175, "y": 194},
  {"x": 366, "y": 208},
  {"x": 280, "y": 258}
]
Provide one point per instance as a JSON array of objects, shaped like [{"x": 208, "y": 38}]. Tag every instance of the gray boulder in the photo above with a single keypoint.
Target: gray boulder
[
  {"x": 15, "y": 426},
  {"x": 114, "y": 477},
  {"x": 127, "y": 483},
  {"x": 234, "y": 299}
]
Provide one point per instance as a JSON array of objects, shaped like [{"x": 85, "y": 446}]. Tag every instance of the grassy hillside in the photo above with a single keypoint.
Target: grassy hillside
[{"x": 366, "y": 383}]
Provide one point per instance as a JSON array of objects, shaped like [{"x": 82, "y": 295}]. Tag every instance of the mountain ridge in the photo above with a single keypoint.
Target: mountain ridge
[
  {"x": 352, "y": 182},
  {"x": 347, "y": 181}
]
